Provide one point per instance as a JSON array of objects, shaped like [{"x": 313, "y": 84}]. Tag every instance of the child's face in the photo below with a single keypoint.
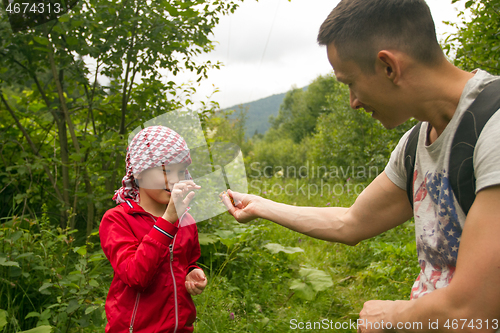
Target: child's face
[{"x": 157, "y": 182}]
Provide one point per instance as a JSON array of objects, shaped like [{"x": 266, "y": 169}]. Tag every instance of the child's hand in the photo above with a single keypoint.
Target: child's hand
[
  {"x": 179, "y": 201},
  {"x": 196, "y": 282}
]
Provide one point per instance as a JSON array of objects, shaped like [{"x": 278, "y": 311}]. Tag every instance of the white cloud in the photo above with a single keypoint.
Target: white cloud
[{"x": 292, "y": 57}]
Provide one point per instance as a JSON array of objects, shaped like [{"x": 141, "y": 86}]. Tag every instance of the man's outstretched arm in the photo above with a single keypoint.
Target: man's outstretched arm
[{"x": 380, "y": 207}]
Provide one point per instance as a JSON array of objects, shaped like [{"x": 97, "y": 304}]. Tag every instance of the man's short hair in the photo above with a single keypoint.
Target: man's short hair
[{"x": 359, "y": 29}]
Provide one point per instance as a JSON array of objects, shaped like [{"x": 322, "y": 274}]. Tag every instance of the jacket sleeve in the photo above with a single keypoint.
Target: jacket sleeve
[
  {"x": 135, "y": 261},
  {"x": 195, "y": 253}
]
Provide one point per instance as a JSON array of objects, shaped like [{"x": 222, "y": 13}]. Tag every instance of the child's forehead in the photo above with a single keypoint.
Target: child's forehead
[{"x": 175, "y": 165}]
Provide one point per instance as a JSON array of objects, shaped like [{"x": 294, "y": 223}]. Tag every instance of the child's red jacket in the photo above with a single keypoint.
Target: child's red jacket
[{"x": 151, "y": 258}]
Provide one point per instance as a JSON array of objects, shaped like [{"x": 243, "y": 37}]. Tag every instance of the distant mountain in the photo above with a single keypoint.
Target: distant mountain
[{"x": 259, "y": 112}]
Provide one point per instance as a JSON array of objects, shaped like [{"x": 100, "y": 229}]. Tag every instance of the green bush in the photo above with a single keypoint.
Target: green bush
[{"x": 48, "y": 279}]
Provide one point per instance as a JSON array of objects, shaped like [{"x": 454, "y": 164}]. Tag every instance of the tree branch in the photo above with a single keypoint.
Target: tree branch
[
  {"x": 30, "y": 142},
  {"x": 62, "y": 99}
]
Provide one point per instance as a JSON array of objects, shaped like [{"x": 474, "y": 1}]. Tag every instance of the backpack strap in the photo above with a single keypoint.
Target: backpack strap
[
  {"x": 410, "y": 153},
  {"x": 461, "y": 168}
]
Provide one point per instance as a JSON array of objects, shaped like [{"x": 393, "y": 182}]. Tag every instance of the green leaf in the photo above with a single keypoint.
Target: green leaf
[
  {"x": 64, "y": 18},
  {"x": 24, "y": 255},
  {"x": 32, "y": 314},
  {"x": 72, "y": 306},
  {"x": 76, "y": 157},
  {"x": 41, "y": 40},
  {"x": 206, "y": 239},
  {"x": 76, "y": 23},
  {"x": 225, "y": 234},
  {"x": 97, "y": 317},
  {"x": 45, "y": 315},
  {"x": 81, "y": 250},
  {"x": 319, "y": 280},
  {"x": 39, "y": 329},
  {"x": 72, "y": 40},
  {"x": 4, "y": 262},
  {"x": 45, "y": 286},
  {"x": 275, "y": 248},
  {"x": 93, "y": 283},
  {"x": 302, "y": 290},
  {"x": 3, "y": 318},
  {"x": 91, "y": 309}
]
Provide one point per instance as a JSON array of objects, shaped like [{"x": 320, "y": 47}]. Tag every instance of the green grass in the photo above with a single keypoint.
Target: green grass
[
  {"x": 250, "y": 281},
  {"x": 249, "y": 287}
]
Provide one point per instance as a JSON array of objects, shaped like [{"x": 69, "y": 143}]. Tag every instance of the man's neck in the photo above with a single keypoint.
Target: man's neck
[{"x": 440, "y": 94}]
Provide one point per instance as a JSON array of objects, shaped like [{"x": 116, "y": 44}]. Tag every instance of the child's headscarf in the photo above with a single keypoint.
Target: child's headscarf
[{"x": 151, "y": 147}]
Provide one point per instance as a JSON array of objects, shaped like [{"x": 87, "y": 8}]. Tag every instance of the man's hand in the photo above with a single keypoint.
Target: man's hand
[
  {"x": 246, "y": 206},
  {"x": 180, "y": 197},
  {"x": 376, "y": 317},
  {"x": 196, "y": 282}
]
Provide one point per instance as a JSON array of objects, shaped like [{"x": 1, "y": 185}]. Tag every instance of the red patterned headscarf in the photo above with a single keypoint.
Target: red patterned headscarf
[{"x": 152, "y": 147}]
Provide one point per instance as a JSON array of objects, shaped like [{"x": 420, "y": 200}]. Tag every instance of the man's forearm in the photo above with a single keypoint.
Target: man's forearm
[
  {"x": 319, "y": 222},
  {"x": 437, "y": 312},
  {"x": 380, "y": 207}
]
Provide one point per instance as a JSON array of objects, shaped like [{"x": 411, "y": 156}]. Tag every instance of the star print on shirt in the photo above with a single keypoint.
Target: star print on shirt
[{"x": 439, "y": 239}]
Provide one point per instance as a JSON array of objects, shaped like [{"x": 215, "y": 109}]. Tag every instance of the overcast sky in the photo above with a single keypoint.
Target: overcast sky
[{"x": 269, "y": 46}]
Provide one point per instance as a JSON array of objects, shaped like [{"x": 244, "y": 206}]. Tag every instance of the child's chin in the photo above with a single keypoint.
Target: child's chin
[{"x": 167, "y": 196}]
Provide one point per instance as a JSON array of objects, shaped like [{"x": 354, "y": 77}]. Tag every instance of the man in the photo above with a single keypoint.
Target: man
[{"x": 386, "y": 51}]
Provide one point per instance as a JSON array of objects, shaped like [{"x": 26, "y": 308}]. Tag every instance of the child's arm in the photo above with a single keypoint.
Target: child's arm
[
  {"x": 135, "y": 262},
  {"x": 195, "y": 252}
]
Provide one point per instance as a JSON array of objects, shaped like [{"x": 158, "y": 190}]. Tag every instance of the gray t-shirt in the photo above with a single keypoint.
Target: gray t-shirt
[{"x": 439, "y": 219}]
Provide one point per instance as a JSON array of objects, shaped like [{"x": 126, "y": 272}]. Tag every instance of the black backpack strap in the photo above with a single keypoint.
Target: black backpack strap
[
  {"x": 410, "y": 153},
  {"x": 461, "y": 168}
]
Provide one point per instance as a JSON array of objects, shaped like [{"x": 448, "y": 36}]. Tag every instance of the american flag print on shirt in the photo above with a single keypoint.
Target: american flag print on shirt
[{"x": 438, "y": 232}]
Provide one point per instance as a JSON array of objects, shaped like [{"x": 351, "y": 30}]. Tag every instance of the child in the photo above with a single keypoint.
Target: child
[{"x": 152, "y": 257}]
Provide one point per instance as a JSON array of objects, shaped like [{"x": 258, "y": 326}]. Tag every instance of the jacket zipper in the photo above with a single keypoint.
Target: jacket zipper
[
  {"x": 131, "y": 328},
  {"x": 171, "y": 248}
]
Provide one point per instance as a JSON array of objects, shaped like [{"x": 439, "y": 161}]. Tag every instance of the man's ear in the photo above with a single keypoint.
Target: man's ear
[{"x": 390, "y": 64}]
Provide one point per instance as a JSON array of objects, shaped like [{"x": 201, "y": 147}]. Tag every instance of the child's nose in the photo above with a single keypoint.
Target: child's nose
[{"x": 172, "y": 180}]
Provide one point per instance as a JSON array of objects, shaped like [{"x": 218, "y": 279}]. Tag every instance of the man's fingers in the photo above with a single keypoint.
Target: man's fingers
[
  {"x": 229, "y": 205},
  {"x": 237, "y": 197}
]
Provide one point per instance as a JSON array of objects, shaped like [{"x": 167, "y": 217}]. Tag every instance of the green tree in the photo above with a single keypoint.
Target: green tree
[
  {"x": 319, "y": 126},
  {"x": 476, "y": 44},
  {"x": 300, "y": 109},
  {"x": 71, "y": 129},
  {"x": 347, "y": 137}
]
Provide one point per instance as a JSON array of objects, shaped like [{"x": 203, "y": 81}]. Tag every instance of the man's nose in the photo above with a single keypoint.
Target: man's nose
[{"x": 355, "y": 103}]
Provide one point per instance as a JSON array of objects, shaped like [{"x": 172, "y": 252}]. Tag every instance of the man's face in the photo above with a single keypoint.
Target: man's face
[{"x": 370, "y": 91}]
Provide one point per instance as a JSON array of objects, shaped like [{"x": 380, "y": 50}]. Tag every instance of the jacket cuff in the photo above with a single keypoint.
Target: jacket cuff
[
  {"x": 191, "y": 267},
  {"x": 163, "y": 231}
]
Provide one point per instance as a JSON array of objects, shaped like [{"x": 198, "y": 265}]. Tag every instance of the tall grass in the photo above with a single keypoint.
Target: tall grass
[{"x": 249, "y": 289}]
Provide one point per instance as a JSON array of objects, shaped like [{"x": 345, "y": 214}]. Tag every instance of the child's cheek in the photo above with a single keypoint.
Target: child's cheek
[{"x": 157, "y": 181}]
